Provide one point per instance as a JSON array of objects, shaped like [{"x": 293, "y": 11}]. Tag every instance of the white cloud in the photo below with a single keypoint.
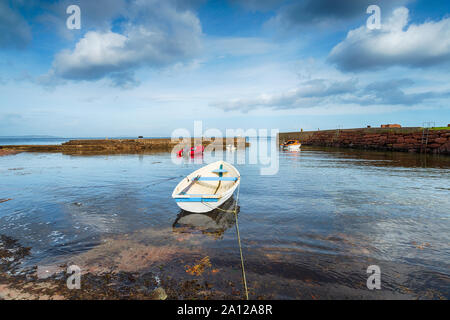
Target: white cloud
[
  {"x": 396, "y": 43},
  {"x": 320, "y": 92},
  {"x": 307, "y": 95},
  {"x": 94, "y": 55},
  {"x": 168, "y": 37}
]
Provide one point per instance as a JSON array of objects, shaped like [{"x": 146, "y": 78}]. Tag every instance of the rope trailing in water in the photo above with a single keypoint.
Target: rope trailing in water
[{"x": 244, "y": 279}]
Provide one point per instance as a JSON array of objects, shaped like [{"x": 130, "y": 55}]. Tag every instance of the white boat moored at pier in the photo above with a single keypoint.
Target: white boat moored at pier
[{"x": 291, "y": 145}]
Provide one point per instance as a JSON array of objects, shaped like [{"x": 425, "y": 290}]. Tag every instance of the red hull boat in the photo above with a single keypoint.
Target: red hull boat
[{"x": 192, "y": 152}]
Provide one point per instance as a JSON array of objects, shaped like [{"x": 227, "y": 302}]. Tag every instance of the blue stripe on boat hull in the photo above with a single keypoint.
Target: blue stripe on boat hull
[
  {"x": 196, "y": 199},
  {"x": 217, "y": 179}
]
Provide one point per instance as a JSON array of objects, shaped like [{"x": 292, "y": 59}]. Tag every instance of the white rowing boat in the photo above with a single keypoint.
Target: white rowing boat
[{"x": 207, "y": 188}]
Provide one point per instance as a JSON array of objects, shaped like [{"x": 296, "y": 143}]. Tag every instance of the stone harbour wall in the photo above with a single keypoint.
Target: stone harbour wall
[{"x": 388, "y": 139}]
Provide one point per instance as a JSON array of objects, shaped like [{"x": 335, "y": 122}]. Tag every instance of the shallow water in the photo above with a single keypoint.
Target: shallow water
[{"x": 310, "y": 231}]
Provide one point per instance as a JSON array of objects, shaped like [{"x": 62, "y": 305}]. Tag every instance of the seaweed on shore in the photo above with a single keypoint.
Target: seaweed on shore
[
  {"x": 11, "y": 254},
  {"x": 111, "y": 285}
]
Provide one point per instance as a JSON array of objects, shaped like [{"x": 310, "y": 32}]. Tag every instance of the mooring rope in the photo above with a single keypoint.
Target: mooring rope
[{"x": 244, "y": 278}]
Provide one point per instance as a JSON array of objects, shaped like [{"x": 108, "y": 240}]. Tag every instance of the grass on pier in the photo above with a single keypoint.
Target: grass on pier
[{"x": 440, "y": 128}]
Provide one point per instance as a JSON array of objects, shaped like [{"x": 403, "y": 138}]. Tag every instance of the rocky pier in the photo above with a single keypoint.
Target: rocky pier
[
  {"x": 110, "y": 146},
  {"x": 409, "y": 139}
]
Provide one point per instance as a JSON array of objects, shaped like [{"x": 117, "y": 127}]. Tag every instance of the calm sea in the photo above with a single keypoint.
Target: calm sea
[{"x": 310, "y": 231}]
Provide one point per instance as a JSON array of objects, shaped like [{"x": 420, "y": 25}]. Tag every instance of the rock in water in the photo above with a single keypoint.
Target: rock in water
[{"x": 159, "y": 294}]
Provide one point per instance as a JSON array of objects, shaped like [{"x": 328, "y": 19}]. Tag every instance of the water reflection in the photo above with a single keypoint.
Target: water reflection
[
  {"x": 381, "y": 158},
  {"x": 213, "y": 223}
]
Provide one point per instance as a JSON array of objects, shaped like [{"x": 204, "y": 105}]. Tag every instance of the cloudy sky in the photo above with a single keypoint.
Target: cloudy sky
[{"x": 148, "y": 67}]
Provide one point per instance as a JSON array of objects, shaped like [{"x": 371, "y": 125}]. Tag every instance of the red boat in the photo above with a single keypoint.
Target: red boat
[{"x": 194, "y": 151}]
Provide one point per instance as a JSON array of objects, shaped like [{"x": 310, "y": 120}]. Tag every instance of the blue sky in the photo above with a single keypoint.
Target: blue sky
[{"x": 149, "y": 67}]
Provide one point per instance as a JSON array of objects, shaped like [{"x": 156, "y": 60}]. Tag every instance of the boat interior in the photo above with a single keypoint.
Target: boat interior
[{"x": 209, "y": 181}]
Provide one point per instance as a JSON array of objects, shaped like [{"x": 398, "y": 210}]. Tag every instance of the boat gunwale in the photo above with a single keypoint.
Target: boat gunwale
[{"x": 207, "y": 195}]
